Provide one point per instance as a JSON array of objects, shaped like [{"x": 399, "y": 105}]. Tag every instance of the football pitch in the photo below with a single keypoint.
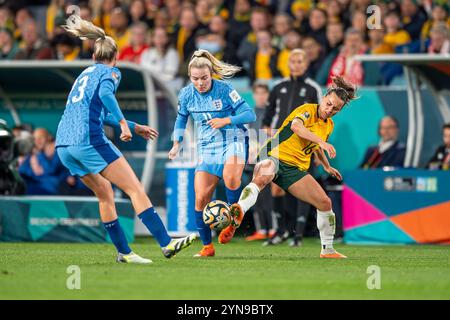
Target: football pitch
[{"x": 240, "y": 270}]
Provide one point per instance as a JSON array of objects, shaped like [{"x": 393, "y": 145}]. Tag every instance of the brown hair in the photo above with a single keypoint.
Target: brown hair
[{"x": 345, "y": 90}]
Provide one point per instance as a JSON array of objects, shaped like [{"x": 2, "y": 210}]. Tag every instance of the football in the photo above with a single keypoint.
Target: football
[{"x": 217, "y": 215}]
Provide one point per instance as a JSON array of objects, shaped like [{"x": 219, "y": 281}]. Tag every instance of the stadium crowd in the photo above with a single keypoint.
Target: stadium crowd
[{"x": 255, "y": 34}]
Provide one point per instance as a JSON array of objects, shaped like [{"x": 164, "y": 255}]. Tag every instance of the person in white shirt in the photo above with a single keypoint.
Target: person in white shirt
[{"x": 161, "y": 58}]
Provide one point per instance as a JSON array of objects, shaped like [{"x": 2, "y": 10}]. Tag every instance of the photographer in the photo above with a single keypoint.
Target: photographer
[{"x": 10, "y": 181}]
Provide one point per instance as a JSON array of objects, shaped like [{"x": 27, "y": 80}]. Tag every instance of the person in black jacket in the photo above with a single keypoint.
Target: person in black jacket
[
  {"x": 441, "y": 158},
  {"x": 284, "y": 98},
  {"x": 389, "y": 152}
]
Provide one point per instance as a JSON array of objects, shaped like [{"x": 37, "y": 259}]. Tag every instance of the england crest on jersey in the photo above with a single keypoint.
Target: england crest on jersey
[{"x": 217, "y": 104}]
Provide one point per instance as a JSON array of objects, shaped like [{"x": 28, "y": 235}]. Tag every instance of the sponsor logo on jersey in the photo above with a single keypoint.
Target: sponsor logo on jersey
[
  {"x": 306, "y": 115},
  {"x": 234, "y": 95},
  {"x": 302, "y": 92},
  {"x": 283, "y": 90}
]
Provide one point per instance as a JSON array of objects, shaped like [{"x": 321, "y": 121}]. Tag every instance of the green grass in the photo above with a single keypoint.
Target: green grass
[{"x": 240, "y": 270}]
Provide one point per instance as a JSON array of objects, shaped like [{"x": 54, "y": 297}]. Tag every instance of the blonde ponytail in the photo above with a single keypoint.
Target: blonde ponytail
[
  {"x": 202, "y": 58},
  {"x": 105, "y": 48}
]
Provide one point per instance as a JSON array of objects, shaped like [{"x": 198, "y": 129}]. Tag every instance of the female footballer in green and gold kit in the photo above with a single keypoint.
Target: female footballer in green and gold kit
[{"x": 286, "y": 157}]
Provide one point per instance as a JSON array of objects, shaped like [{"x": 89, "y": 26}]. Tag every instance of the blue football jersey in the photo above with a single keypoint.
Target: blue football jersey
[
  {"x": 82, "y": 121},
  {"x": 220, "y": 102}
]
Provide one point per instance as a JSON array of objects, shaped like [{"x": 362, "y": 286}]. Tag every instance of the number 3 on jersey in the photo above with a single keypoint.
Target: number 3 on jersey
[{"x": 82, "y": 83}]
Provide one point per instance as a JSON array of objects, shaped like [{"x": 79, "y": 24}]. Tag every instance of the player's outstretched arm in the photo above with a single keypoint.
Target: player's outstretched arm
[
  {"x": 145, "y": 132},
  {"x": 326, "y": 164}
]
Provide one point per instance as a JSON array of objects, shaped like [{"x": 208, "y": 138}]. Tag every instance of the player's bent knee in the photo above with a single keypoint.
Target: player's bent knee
[
  {"x": 232, "y": 182},
  {"x": 135, "y": 190},
  {"x": 324, "y": 204},
  {"x": 105, "y": 194}
]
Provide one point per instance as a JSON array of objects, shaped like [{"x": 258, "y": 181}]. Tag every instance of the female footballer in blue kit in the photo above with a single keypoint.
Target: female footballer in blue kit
[
  {"x": 219, "y": 114},
  {"x": 84, "y": 149}
]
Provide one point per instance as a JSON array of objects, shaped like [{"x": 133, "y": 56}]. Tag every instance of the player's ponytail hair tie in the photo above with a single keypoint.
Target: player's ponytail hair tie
[
  {"x": 202, "y": 58},
  {"x": 105, "y": 48},
  {"x": 345, "y": 90}
]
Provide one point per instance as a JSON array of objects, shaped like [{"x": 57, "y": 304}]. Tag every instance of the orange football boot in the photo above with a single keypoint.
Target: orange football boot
[
  {"x": 256, "y": 236},
  {"x": 207, "y": 251},
  {"x": 332, "y": 254},
  {"x": 237, "y": 215}
]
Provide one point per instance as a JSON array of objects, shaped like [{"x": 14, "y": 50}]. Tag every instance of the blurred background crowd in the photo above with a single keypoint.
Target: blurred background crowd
[{"x": 255, "y": 34}]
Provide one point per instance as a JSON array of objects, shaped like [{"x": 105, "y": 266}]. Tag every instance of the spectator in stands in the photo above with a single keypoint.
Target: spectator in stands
[
  {"x": 439, "y": 40},
  {"x": 263, "y": 66},
  {"x": 317, "y": 26},
  {"x": 439, "y": 14},
  {"x": 203, "y": 11},
  {"x": 55, "y": 12},
  {"x": 389, "y": 151},
  {"x": 300, "y": 10},
  {"x": 174, "y": 9},
  {"x": 335, "y": 37},
  {"x": 66, "y": 47},
  {"x": 315, "y": 54},
  {"x": 151, "y": 11},
  {"x": 162, "y": 19},
  {"x": 138, "y": 13},
  {"x": 359, "y": 5},
  {"x": 359, "y": 22},
  {"x": 239, "y": 25},
  {"x": 292, "y": 41},
  {"x": 344, "y": 64},
  {"x": 42, "y": 171},
  {"x": 8, "y": 46},
  {"x": 376, "y": 42},
  {"x": 34, "y": 47},
  {"x": 22, "y": 17},
  {"x": 441, "y": 158},
  {"x": 161, "y": 58},
  {"x": 413, "y": 18},
  {"x": 119, "y": 28},
  {"x": 334, "y": 12},
  {"x": 259, "y": 21},
  {"x": 103, "y": 18},
  {"x": 214, "y": 43},
  {"x": 138, "y": 44},
  {"x": 395, "y": 35},
  {"x": 219, "y": 26},
  {"x": 263, "y": 208},
  {"x": 221, "y": 8},
  {"x": 282, "y": 24},
  {"x": 6, "y": 18},
  {"x": 185, "y": 37}
]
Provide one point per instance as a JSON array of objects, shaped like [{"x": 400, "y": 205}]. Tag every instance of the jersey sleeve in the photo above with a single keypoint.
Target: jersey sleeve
[
  {"x": 112, "y": 75},
  {"x": 330, "y": 129},
  {"x": 182, "y": 117},
  {"x": 233, "y": 97},
  {"x": 304, "y": 113},
  {"x": 106, "y": 94}
]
